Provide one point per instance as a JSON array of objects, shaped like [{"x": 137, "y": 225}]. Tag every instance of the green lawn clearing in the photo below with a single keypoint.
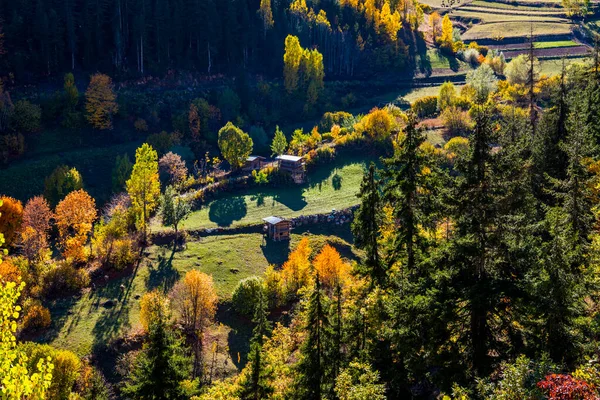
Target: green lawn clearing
[
  {"x": 491, "y": 17},
  {"x": 554, "y": 67},
  {"x": 555, "y": 44},
  {"x": 331, "y": 186},
  {"x": 81, "y": 323}
]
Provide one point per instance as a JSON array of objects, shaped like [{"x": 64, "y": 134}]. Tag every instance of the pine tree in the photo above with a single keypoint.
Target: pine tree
[
  {"x": 258, "y": 384},
  {"x": 312, "y": 367},
  {"x": 366, "y": 225},
  {"x": 161, "y": 366},
  {"x": 410, "y": 186}
]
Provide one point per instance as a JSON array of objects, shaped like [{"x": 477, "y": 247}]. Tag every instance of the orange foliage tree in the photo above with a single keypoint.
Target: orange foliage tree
[
  {"x": 151, "y": 305},
  {"x": 331, "y": 268},
  {"x": 296, "y": 269},
  {"x": 74, "y": 218},
  {"x": 9, "y": 272},
  {"x": 101, "y": 101},
  {"x": 11, "y": 217},
  {"x": 37, "y": 217}
]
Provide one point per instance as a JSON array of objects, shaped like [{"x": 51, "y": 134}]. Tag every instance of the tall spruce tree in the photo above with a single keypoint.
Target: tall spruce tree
[
  {"x": 366, "y": 225},
  {"x": 312, "y": 369}
]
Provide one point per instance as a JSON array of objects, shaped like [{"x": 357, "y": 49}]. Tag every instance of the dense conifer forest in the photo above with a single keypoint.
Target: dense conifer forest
[{"x": 307, "y": 199}]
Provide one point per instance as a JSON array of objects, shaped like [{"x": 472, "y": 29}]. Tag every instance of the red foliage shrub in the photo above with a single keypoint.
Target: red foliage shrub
[{"x": 565, "y": 387}]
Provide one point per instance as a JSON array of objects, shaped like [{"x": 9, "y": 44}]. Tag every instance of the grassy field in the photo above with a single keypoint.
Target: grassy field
[
  {"x": 554, "y": 67},
  {"x": 489, "y": 17},
  {"x": 521, "y": 5},
  {"x": 81, "y": 323},
  {"x": 331, "y": 186},
  {"x": 502, "y": 30},
  {"x": 556, "y": 44}
]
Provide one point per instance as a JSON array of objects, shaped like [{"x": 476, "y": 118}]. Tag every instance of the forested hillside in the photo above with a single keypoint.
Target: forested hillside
[
  {"x": 307, "y": 199},
  {"x": 125, "y": 37}
]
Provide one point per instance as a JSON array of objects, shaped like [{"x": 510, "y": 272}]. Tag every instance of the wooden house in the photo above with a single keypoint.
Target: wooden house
[
  {"x": 277, "y": 228},
  {"x": 253, "y": 163},
  {"x": 294, "y": 165}
]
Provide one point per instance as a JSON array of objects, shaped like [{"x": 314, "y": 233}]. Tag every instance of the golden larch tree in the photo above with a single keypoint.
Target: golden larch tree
[
  {"x": 296, "y": 270},
  {"x": 331, "y": 268},
  {"x": 75, "y": 216},
  {"x": 291, "y": 63},
  {"x": 101, "y": 101}
]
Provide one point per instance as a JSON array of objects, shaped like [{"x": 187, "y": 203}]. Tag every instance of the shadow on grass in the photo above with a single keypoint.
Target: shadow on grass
[
  {"x": 276, "y": 253},
  {"x": 239, "y": 336},
  {"x": 163, "y": 276},
  {"x": 225, "y": 211}
]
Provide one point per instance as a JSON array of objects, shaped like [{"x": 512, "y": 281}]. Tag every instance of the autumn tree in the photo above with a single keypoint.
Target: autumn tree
[
  {"x": 37, "y": 217},
  {"x": 143, "y": 186},
  {"x": 446, "y": 39},
  {"x": 11, "y": 218},
  {"x": 279, "y": 144},
  {"x": 266, "y": 15},
  {"x": 435, "y": 23},
  {"x": 291, "y": 63},
  {"x": 18, "y": 379},
  {"x": 174, "y": 208},
  {"x": 195, "y": 300},
  {"x": 296, "y": 269},
  {"x": 101, "y": 102},
  {"x": 235, "y": 145},
  {"x": 153, "y": 304},
  {"x": 60, "y": 183},
  {"x": 75, "y": 215},
  {"x": 330, "y": 267},
  {"x": 174, "y": 167}
]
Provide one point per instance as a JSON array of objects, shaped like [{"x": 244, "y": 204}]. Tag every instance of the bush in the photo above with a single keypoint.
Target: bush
[
  {"x": 330, "y": 119},
  {"x": 425, "y": 106},
  {"x": 141, "y": 125},
  {"x": 471, "y": 56},
  {"x": 457, "y": 122},
  {"x": 163, "y": 141},
  {"x": 26, "y": 117},
  {"x": 60, "y": 183},
  {"x": 36, "y": 317},
  {"x": 260, "y": 177},
  {"x": 64, "y": 280},
  {"x": 11, "y": 146},
  {"x": 245, "y": 295}
]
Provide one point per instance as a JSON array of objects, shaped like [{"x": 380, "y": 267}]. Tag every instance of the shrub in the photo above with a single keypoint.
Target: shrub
[
  {"x": 334, "y": 118},
  {"x": 456, "y": 121},
  {"x": 446, "y": 96},
  {"x": 245, "y": 295},
  {"x": 124, "y": 253},
  {"x": 60, "y": 183},
  {"x": 141, "y": 125},
  {"x": 11, "y": 146},
  {"x": 463, "y": 103},
  {"x": 64, "y": 279},
  {"x": 36, "y": 317},
  {"x": 163, "y": 141},
  {"x": 260, "y": 177},
  {"x": 471, "y": 56},
  {"x": 26, "y": 117},
  {"x": 425, "y": 106}
]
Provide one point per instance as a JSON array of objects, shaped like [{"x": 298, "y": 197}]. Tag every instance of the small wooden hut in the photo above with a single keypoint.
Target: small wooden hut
[
  {"x": 277, "y": 228},
  {"x": 253, "y": 163},
  {"x": 293, "y": 165}
]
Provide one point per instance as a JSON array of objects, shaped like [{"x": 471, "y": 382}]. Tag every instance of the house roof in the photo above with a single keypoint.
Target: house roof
[
  {"x": 287, "y": 157},
  {"x": 272, "y": 220},
  {"x": 253, "y": 158}
]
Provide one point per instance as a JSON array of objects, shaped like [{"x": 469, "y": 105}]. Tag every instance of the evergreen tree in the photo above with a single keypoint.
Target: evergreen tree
[
  {"x": 258, "y": 384},
  {"x": 161, "y": 366},
  {"x": 367, "y": 223},
  {"x": 410, "y": 182},
  {"x": 312, "y": 367}
]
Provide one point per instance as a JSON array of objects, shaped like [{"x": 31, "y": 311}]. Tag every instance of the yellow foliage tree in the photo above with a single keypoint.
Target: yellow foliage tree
[
  {"x": 143, "y": 186},
  {"x": 434, "y": 22},
  {"x": 11, "y": 217},
  {"x": 296, "y": 269},
  {"x": 100, "y": 102},
  {"x": 150, "y": 305},
  {"x": 389, "y": 23},
  {"x": 331, "y": 268},
  {"x": 291, "y": 63},
  {"x": 446, "y": 37},
  {"x": 75, "y": 215},
  {"x": 195, "y": 298},
  {"x": 266, "y": 14},
  {"x": 17, "y": 381},
  {"x": 378, "y": 124}
]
